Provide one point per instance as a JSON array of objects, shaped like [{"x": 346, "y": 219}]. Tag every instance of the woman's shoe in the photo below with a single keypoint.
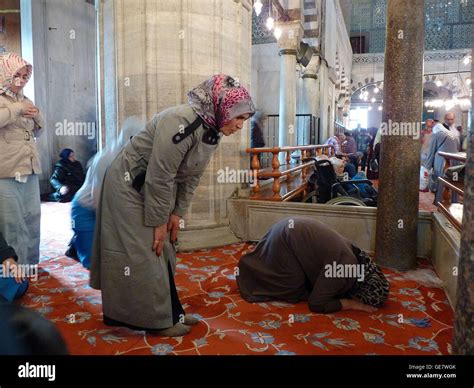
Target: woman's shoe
[{"x": 190, "y": 320}]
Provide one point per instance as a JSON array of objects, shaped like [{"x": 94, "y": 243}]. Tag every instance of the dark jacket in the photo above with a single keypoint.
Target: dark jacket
[
  {"x": 67, "y": 173},
  {"x": 256, "y": 136},
  {"x": 290, "y": 264},
  {"x": 6, "y": 251}
]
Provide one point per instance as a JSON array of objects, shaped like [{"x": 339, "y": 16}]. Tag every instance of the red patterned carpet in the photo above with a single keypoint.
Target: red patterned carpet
[{"x": 416, "y": 319}]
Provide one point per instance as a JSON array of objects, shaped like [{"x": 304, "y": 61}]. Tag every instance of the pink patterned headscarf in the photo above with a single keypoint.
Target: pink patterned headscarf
[
  {"x": 10, "y": 63},
  {"x": 220, "y": 99}
]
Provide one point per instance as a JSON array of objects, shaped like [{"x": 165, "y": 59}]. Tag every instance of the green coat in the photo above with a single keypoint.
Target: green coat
[{"x": 133, "y": 280}]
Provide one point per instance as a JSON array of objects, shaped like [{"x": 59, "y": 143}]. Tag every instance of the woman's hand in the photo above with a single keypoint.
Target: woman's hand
[
  {"x": 351, "y": 304},
  {"x": 10, "y": 266},
  {"x": 31, "y": 112},
  {"x": 159, "y": 235},
  {"x": 173, "y": 226},
  {"x": 64, "y": 190}
]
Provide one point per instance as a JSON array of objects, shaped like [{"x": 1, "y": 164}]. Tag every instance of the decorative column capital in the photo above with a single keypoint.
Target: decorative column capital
[
  {"x": 291, "y": 34},
  {"x": 247, "y": 4},
  {"x": 311, "y": 71}
]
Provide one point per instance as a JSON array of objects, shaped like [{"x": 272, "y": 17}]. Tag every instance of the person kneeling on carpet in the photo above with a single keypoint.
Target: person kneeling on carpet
[{"x": 302, "y": 259}]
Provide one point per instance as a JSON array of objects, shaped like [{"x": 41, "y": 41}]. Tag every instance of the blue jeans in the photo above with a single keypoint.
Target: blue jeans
[
  {"x": 83, "y": 221},
  {"x": 10, "y": 289}
]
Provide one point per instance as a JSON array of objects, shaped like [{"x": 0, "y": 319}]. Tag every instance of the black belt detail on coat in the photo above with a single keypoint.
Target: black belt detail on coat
[{"x": 185, "y": 132}]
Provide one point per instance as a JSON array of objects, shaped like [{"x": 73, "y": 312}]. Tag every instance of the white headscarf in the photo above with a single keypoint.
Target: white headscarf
[
  {"x": 10, "y": 64},
  {"x": 89, "y": 194}
]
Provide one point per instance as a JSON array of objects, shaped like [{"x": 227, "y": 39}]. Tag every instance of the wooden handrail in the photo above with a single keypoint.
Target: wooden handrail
[
  {"x": 286, "y": 171},
  {"x": 452, "y": 211},
  {"x": 276, "y": 172},
  {"x": 287, "y": 148}
]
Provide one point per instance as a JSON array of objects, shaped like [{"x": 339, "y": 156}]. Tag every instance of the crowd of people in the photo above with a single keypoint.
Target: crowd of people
[
  {"x": 358, "y": 150},
  {"x": 361, "y": 148}
]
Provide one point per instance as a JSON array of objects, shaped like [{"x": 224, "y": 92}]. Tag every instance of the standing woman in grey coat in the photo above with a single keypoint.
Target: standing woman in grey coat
[
  {"x": 146, "y": 191},
  {"x": 20, "y": 124}
]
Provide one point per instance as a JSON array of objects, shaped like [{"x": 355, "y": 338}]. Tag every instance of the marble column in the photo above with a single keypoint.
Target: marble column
[
  {"x": 311, "y": 89},
  {"x": 288, "y": 42},
  {"x": 152, "y": 53},
  {"x": 464, "y": 308},
  {"x": 397, "y": 212}
]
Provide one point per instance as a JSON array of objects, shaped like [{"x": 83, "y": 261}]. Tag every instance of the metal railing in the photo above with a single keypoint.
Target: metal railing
[{"x": 307, "y": 132}]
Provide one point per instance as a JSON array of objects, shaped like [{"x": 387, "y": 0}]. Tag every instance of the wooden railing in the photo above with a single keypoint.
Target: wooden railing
[
  {"x": 452, "y": 211},
  {"x": 294, "y": 183}
]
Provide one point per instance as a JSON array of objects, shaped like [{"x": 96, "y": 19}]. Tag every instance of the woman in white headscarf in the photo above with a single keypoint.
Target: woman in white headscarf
[
  {"x": 20, "y": 124},
  {"x": 86, "y": 200}
]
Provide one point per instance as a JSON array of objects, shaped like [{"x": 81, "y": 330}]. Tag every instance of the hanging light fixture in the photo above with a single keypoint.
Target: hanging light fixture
[
  {"x": 270, "y": 23},
  {"x": 438, "y": 83},
  {"x": 257, "y": 6},
  {"x": 277, "y": 33},
  {"x": 370, "y": 107},
  {"x": 376, "y": 90},
  {"x": 380, "y": 107},
  {"x": 467, "y": 59},
  {"x": 372, "y": 99},
  {"x": 468, "y": 81}
]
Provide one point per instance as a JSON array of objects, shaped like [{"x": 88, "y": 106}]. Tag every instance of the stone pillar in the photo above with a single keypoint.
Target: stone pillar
[
  {"x": 152, "y": 57},
  {"x": 464, "y": 309},
  {"x": 56, "y": 40},
  {"x": 397, "y": 213},
  {"x": 288, "y": 42},
  {"x": 311, "y": 89},
  {"x": 310, "y": 86}
]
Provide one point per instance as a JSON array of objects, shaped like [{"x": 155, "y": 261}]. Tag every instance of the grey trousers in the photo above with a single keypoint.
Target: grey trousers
[{"x": 20, "y": 217}]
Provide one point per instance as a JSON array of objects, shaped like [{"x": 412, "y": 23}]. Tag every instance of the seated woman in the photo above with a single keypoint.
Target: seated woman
[
  {"x": 12, "y": 284},
  {"x": 302, "y": 259},
  {"x": 67, "y": 178}
]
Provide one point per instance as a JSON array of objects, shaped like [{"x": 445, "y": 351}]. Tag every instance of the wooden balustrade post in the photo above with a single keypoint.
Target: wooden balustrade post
[
  {"x": 275, "y": 162},
  {"x": 303, "y": 157},
  {"x": 446, "y": 192},
  {"x": 276, "y": 178},
  {"x": 255, "y": 169}
]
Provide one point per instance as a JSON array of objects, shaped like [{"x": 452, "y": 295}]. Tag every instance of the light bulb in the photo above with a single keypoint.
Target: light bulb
[
  {"x": 277, "y": 33},
  {"x": 258, "y": 7},
  {"x": 370, "y": 107},
  {"x": 466, "y": 60},
  {"x": 270, "y": 23},
  {"x": 373, "y": 99},
  {"x": 380, "y": 107},
  {"x": 376, "y": 90},
  {"x": 468, "y": 81},
  {"x": 439, "y": 83}
]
